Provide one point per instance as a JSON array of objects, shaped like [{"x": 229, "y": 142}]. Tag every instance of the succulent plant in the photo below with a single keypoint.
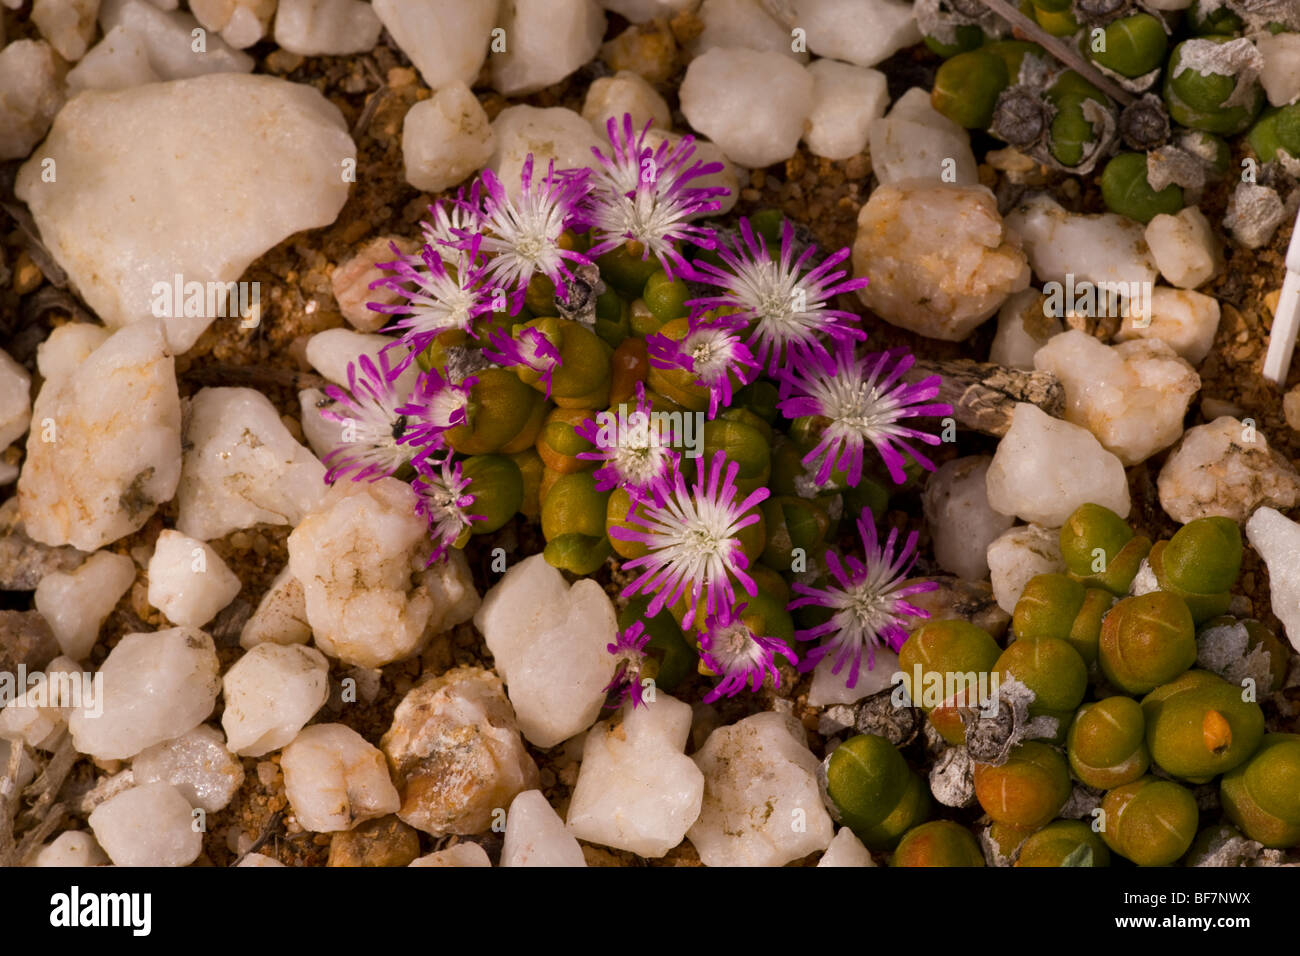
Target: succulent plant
[
  {"x": 876, "y": 794},
  {"x": 938, "y": 843},
  {"x": 1151, "y": 822}
]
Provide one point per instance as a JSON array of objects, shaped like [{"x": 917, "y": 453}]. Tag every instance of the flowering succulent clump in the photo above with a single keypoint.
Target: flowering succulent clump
[{"x": 648, "y": 437}]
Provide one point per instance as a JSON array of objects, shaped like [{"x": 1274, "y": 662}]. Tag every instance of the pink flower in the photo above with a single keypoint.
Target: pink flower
[
  {"x": 713, "y": 352},
  {"x": 530, "y": 348},
  {"x": 629, "y": 660},
  {"x": 636, "y": 454},
  {"x": 435, "y": 406},
  {"x": 731, "y": 650},
  {"x": 444, "y": 502},
  {"x": 374, "y": 427}
]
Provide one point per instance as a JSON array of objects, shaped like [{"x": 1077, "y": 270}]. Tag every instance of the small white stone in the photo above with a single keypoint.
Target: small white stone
[
  {"x": 753, "y": 104},
  {"x": 112, "y": 450},
  {"x": 535, "y": 835},
  {"x": 118, "y": 61},
  {"x": 916, "y": 141},
  {"x": 549, "y": 643},
  {"x": 70, "y": 848},
  {"x": 169, "y": 38},
  {"x": 864, "y": 32},
  {"x": 546, "y": 40},
  {"x": 873, "y": 676},
  {"x": 360, "y": 560},
  {"x": 762, "y": 805},
  {"x": 1185, "y": 321},
  {"x": 1104, "y": 248},
  {"x": 352, "y": 279},
  {"x": 259, "y": 859},
  {"x": 1019, "y": 555},
  {"x": 451, "y": 583},
  {"x": 323, "y": 435},
  {"x": 1277, "y": 539},
  {"x": 1044, "y": 468},
  {"x": 847, "y": 101},
  {"x": 29, "y": 96},
  {"x": 67, "y": 347},
  {"x": 241, "y": 466},
  {"x": 640, "y": 11},
  {"x": 728, "y": 177},
  {"x": 332, "y": 351},
  {"x": 962, "y": 524},
  {"x": 743, "y": 23},
  {"x": 1184, "y": 247},
  {"x": 326, "y": 27},
  {"x": 447, "y": 40},
  {"x": 281, "y": 615},
  {"x": 15, "y": 399},
  {"x": 446, "y": 139},
  {"x": 271, "y": 693},
  {"x": 846, "y": 850},
  {"x": 334, "y": 779},
  {"x": 611, "y": 97},
  {"x": 1024, "y": 327},
  {"x": 75, "y": 603},
  {"x": 69, "y": 25},
  {"x": 197, "y": 209},
  {"x": 149, "y": 825},
  {"x": 1132, "y": 397},
  {"x": 40, "y": 712},
  {"x": 1225, "y": 468},
  {"x": 155, "y": 687},
  {"x": 1280, "y": 76},
  {"x": 637, "y": 790},
  {"x": 188, "y": 581},
  {"x": 554, "y": 133},
  {"x": 938, "y": 256},
  {"x": 241, "y": 23},
  {"x": 197, "y": 764},
  {"x": 462, "y": 854}
]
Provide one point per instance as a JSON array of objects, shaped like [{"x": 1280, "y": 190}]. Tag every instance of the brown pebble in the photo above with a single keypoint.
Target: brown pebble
[
  {"x": 27, "y": 274},
  {"x": 383, "y": 842}
]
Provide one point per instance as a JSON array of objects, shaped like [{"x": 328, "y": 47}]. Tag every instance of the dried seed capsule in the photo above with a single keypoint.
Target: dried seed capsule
[
  {"x": 877, "y": 795},
  {"x": 1134, "y": 45},
  {"x": 952, "y": 658},
  {"x": 1020, "y": 117},
  {"x": 1150, "y": 821},
  {"x": 938, "y": 843},
  {"x": 1026, "y": 791},
  {"x": 1146, "y": 641},
  {"x": 1125, "y": 190},
  {"x": 1107, "y": 743},
  {"x": 1198, "y": 727},
  {"x": 1262, "y": 796},
  {"x": 1064, "y": 843},
  {"x": 1053, "y": 670},
  {"x": 1144, "y": 123}
]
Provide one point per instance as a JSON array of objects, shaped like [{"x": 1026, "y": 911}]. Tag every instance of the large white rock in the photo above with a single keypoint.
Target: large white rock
[
  {"x": 326, "y": 27},
  {"x": 939, "y": 258},
  {"x": 1185, "y": 321},
  {"x": 535, "y": 835},
  {"x": 1280, "y": 76},
  {"x": 962, "y": 524},
  {"x": 446, "y": 139},
  {"x": 639, "y": 11},
  {"x": 149, "y": 825},
  {"x": 280, "y": 617},
  {"x": 197, "y": 764},
  {"x": 743, "y": 23},
  {"x": 29, "y": 95},
  {"x": 241, "y": 23},
  {"x": 335, "y": 780},
  {"x": 67, "y": 347},
  {"x": 199, "y": 208},
  {"x": 549, "y": 643},
  {"x": 753, "y": 104},
  {"x": 1184, "y": 247},
  {"x": 75, "y": 603},
  {"x": 1025, "y": 325},
  {"x": 873, "y": 676},
  {"x": 624, "y": 93},
  {"x": 1095, "y": 248},
  {"x": 155, "y": 687},
  {"x": 846, "y": 850},
  {"x": 916, "y": 141},
  {"x": 15, "y": 399},
  {"x": 70, "y": 848},
  {"x": 637, "y": 790},
  {"x": 361, "y": 562},
  {"x": 554, "y": 133},
  {"x": 447, "y": 40},
  {"x": 1044, "y": 468},
  {"x": 762, "y": 805},
  {"x": 1225, "y": 468},
  {"x": 847, "y": 101},
  {"x": 171, "y": 42},
  {"x": 270, "y": 694},
  {"x": 107, "y": 449},
  {"x": 1018, "y": 555},
  {"x": 1277, "y": 539},
  {"x": 332, "y": 351},
  {"x": 188, "y": 581},
  {"x": 118, "y": 61},
  {"x": 454, "y": 747},
  {"x": 1132, "y": 397},
  {"x": 545, "y": 41},
  {"x": 69, "y": 25},
  {"x": 241, "y": 466},
  {"x": 864, "y": 32}
]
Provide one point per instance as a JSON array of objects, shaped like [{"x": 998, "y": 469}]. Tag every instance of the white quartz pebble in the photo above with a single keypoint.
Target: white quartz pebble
[
  {"x": 118, "y": 61},
  {"x": 962, "y": 524},
  {"x": 446, "y": 139},
  {"x": 1225, "y": 468},
  {"x": 847, "y": 101},
  {"x": 75, "y": 603},
  {"x": 1280, "y": 76},
  {"x": 280, "y": 617},
  {"x": 188, "y": 581},
  {"x": 447, "y": 40},
  {"x": 169, "y": 37},
  {"x": 148, "y": 825},
  {"x": 39, "y": 713},
  {"x": 1103, "y": 248},
  {"x": 1184, "y": 247},
  {"x": 916, "y": 141},
  {"x": 67, "y": 347},
  {"x": 330, "y": 352},
  {"x": 241, "y": 23},
  {"x": 535, "y": 835},
  {"x": 545, "y": 41},
  {"x": 762, "y": 805},
  {"x": 155, "y": 687},
  {"x": 846, "y": 850},
  {"x": 462, "y": 854},
  {"x": 753, "y": 104},
  {"x": 270, "y": 693},
  {"x": 1277, "y": 540},
  {"x": 30, "y": 95},
  {"x": 554, "y": 133},
  {"x": 637, "y": 790},
  {"x": 1024, "y": 327},
  {"x": 259, "y": 860},
  {"x": 70, "y": 848},
  {"x": 1018, "y": 555},
  {"x": 68, "y": 25},
  {"x": 873, "y": 676},
  {"x": 1186, "y": 321},
  {"x": 197, "y": 764},
  {"x": 639, "y": 11},
  {"x": 611, "y": 97},
  {"x": 15, "y": 399},
  {"x": 334, "y": 779},
  {"x": 743, "y": 23},
  {"x": 864, "y": 32},
  {"x": 326, "y": 27}
]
